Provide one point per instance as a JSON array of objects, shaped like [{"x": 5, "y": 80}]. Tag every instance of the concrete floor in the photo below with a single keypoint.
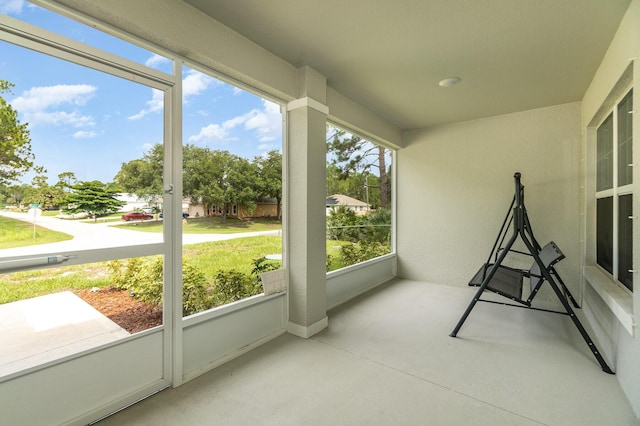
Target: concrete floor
[
  {"x": 46, "y": 328},
  {"x": 386, "y": 359}
]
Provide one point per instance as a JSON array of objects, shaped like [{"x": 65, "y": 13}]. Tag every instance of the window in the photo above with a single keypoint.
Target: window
[
  {"x": 68, "y": 258},
  {"x": 232, "y": 190},
  {"x": 100, "y": 129},
  {"x": 614, "y": 194},
  {"x": 359, "y": 201}
]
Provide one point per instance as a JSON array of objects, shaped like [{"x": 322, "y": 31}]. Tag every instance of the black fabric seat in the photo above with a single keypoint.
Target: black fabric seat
[
  {"x": 549, "y": 255},
  {"x": 508, "y": 282}
]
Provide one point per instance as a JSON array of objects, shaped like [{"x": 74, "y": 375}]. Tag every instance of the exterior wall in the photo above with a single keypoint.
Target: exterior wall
[
  {"x": 607, "y": 317},
  {"x": 261, "y": 210},
  {"x": 460, "y": 178},
  {"x": 196, "y": 210}
]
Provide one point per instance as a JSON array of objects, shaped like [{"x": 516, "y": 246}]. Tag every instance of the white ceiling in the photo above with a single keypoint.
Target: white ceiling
[{"x": 389, "y": 55}]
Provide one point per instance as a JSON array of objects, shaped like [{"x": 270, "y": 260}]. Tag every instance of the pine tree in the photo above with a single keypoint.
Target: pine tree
[
  {"x": 94, "y": 197},
  {"x": 16, "y": 157}
]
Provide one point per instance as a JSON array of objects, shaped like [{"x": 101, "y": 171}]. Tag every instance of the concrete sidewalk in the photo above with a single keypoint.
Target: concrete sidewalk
[
  {"x": 87, "y": 236},
  {"x": 45, "y": 328}
]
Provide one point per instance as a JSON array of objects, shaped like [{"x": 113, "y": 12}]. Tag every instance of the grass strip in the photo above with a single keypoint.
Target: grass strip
[{"x": 17, "y": 233}]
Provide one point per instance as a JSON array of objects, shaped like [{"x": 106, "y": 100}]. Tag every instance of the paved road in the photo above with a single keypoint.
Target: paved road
[{"x": 102, "y": 235}]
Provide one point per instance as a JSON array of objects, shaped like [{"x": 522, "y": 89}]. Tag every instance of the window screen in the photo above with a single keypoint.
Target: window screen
[
  {"x": 604, "y": 240},
  {"x": 625, "y": 240}
]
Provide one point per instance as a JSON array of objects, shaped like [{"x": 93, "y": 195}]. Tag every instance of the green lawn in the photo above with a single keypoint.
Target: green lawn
[
  {"x": 210, "y": 225},
  {"x": 235, "y": 254},
  {"x": 28, "y": 284},
  {"x": 102, "y": 219},
  {"x": 16, "y": 233}
]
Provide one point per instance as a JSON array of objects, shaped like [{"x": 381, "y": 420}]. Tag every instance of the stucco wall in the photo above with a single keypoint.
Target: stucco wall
[{"x": 455, "y": 185}]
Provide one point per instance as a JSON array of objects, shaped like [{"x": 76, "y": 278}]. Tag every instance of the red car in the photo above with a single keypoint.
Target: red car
[{"x": 136, "y": 216}]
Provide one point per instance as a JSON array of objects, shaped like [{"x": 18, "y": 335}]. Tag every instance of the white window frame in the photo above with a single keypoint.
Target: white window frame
[
  {"x": 393, "y": 152},
  {"x": 615, "y": 191},
  {"x": 29, "y": 36}
]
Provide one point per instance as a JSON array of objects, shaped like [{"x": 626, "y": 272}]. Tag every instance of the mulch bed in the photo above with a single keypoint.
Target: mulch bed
[{"x": 121, "y": 308}]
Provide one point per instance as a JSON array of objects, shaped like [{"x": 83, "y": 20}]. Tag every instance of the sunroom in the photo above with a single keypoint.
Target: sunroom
[{"x": 461, "y": 97}]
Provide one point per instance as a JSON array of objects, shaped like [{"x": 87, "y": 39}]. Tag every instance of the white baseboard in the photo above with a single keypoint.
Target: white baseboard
[{"x": 306, "y": 332}]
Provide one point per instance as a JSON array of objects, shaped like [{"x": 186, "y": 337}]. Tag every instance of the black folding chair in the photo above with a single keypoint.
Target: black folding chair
[{"x": 508, "y": 281}]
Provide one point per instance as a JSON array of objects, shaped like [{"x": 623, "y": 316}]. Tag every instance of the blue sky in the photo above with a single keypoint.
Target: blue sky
[{"x": 88, "y": 122}]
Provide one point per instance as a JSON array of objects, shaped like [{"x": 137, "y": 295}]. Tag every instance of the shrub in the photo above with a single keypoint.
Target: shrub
[
  {"x": 260, "y": 265},
  {"x": 329, "y": 263},
  {"x": 361, "y": 251},
  {"x": 143, "y": 279},
  {"x": 343, "y": 224},
  {"x": 122, "y": 273},
  {"x": 377, "y": 227},
  {"x": 146, "y": 283},
  {"x": 232, "y": 285},
  {"x": 195, "y": 291}
]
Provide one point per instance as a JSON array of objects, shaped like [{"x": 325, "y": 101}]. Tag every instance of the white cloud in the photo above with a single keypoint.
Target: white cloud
[
  {"x": 196, "y": 82},
  {"x": 266, "y": 147},
  {"x": 155, "y": 61},
  {"x": 210, "y": 133},
  {"x": 193, "y": 84},
  {"x": 40, "y": 98},
  {"x": 266, "y": 123},
  {"x": 155, "y": 104},
  {"x": 11, "y": 6},
  {"x": 217, "y": 132},
  {"x": 85, "y": 134},
  {"x": 50, "y": 104}
]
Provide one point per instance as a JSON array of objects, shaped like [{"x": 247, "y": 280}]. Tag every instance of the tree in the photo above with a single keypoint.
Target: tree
[
  {"x": 353, "y": 154},
  {"x": 218, "y": 179},
  {"x": 16, "y": 157},
  {"x": 209, "y": 177},
  {"x": 201, "y": 168},
  {"x": 143, "y": 177},
  {"x": 66, "y": 180},
  {"x": 16, "y": 194},
  {"x": 94, "y": 197},
  {"x": 354, "y": 185},
  {"x": 269, "y": 182},
  {"x": 41, "y": 192},
  {"x": 239, "y": 184}
]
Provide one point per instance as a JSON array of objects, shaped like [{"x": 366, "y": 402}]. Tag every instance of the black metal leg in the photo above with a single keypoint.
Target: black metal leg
[
  {"x": 483, "y": 286},
  {"x": 565, "y": 290},
  {"x": 592, "y": 346}
]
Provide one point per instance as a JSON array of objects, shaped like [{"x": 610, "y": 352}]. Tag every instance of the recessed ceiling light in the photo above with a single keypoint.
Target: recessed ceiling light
[{"x": 448, "y": 82}]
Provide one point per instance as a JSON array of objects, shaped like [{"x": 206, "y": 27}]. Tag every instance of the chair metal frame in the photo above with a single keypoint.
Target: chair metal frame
[{"x": 517, "y": 216}]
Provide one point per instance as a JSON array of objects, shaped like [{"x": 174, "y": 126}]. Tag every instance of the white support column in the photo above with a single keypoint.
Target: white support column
[{"x": 306, "y": 208}]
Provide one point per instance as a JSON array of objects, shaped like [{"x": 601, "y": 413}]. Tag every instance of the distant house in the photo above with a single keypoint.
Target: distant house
[
  {"x": 336, "y": 200},
  {"x": 265, "y": 207},
  {"x": 132, "y": 202}
]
